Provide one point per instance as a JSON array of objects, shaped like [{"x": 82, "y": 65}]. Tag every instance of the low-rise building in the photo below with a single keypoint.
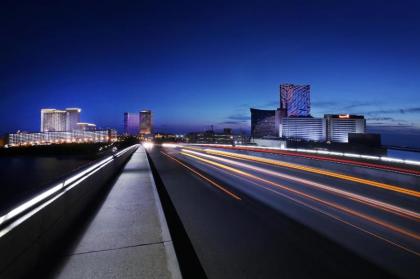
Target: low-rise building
[
  {"x": 216, "y": 138},
  {"x": 303, "y": 128},
  {"x": 339, "y": 126},
  {"x": 82, "y": 126},
  {"x": 18, "y": 139}
]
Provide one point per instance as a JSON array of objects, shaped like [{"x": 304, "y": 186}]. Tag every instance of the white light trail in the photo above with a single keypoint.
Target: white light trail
[
  {"x": 324, "y": 152},
  {"x": 50, "y": 193},
  {"x": 320, "y": 186}
]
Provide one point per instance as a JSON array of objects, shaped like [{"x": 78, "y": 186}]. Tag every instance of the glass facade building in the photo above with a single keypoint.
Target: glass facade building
[
  {"x": 303, "y": 128},
  {"x": 73, "y": 117},
  {"x": 145, "y": 122},
  {"x": 263, "y": 123},
  {"x": 131, "y": 123},
  {"x": 53, "y": 120},
  {"x": 295, "y": 99}
]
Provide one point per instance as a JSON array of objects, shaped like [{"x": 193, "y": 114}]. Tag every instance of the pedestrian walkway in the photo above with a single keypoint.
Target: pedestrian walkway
[{"x": 128, "y": 237}]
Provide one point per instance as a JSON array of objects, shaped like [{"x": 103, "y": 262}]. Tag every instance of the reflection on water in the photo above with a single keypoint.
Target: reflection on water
[{"x": 22, "y": 177}]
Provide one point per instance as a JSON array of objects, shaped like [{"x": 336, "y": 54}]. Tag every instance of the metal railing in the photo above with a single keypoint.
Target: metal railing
[{"x": 22, "y": 212}]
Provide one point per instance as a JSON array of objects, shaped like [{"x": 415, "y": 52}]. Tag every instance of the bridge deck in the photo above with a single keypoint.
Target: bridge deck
[{"x": 128, "y": 237}]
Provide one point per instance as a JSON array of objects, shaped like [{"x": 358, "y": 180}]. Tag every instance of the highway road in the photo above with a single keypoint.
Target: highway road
[{"x": 254, "y": 217}]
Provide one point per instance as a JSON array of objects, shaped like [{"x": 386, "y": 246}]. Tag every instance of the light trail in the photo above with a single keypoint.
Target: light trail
[
  {"x": 204, "y": 177},
  {"x": 356, "y": 197},
  {"x": 33, "y": 205},
  {"x": 322, "y": 212},
  {"x": 317, "y": 171},
  {"x": 319, "y": 200},
  {"x": 297, "y": 153}
]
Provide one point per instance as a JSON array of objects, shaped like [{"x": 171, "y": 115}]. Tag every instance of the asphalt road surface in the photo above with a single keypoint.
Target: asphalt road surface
[{"x": 252, "y": 217}]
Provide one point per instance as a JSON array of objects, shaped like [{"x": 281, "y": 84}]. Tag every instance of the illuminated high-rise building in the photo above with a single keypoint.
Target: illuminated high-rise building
[
  {"x": 295, "y": 99},
  {"x": 145, "y": 122},
  {"x": 293, "y": 121},
  {"x": 73, "y": 117},
  {"x": 68, "y": 120},
  {"x": 53, "y": 120},
  {"x": 131, "y": 123}
]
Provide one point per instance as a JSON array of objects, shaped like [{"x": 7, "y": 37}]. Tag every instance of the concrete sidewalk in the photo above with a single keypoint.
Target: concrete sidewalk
[{"x": 128, "y": 237}]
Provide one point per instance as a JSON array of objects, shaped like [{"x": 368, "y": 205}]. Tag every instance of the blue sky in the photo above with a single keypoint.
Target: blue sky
[{"x": 202, "y": 63}]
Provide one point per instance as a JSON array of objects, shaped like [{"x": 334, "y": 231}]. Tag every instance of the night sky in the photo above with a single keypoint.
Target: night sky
[{"x": 198, "y": 63}]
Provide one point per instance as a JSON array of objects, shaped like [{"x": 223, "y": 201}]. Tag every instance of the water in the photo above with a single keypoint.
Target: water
[
  {"x": 25, "y": 176},
  {"x": 401, "y": 154}
]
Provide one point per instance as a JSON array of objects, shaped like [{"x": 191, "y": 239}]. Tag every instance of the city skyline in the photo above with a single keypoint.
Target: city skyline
[
  {"x": 292, "y": 120},
  {"x": 84, "y": 126},
  {"x": 210, "y": 139},
  {"x": 207, "y": 64}
]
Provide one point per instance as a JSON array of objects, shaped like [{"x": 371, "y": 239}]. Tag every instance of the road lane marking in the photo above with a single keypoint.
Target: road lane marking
[
  {"x": 319, "y": 200},
  {"x": 204, "y": 177},
  {"x": 322, "y": 212},
  {"x": 355, "y": 197}
]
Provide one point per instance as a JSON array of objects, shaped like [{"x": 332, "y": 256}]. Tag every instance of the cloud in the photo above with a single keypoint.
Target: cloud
[
  {"x": 239, "y": 117},
  {"x": 232, "y": 122},
  {"x": 353, "y": 107},
  {"x": 362, "y": 104},
  {"x": 393, "y": 126},
  {"x": 240, "y": 120},
  {"x": 243, "y": 106},
  {"x": 410, "y": 110},
  {"x": 380, "y": 119},
  {"x": 272, "y": 104},
  {"x": 324, "y": 104},
  {"x": 358, "y": 105},
  {"x": 395, "y": 111}
]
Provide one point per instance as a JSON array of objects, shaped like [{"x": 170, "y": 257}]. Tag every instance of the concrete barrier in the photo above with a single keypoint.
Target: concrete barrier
[{"x": 29, "y": 231}]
